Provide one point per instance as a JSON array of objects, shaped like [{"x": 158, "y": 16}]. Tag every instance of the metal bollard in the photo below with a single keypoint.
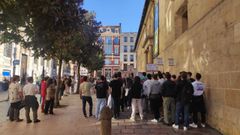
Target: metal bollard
[{"x": 106, "y": 121}]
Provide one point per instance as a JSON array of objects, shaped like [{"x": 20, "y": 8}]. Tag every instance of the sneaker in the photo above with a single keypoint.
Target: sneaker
[
  {"x": 185, "y": 128},
  {"x": 154, "y": 120},
  {"x": 19, "y": 120},
  {"x": 36, "y": 121},
  {"x": 175, "y": 126},
  {"x": 132, "y": 119},
  {"x": 29, "y": 121},
  {"x": 203, "y": 125},
  {"x": 193, "y": 125}
]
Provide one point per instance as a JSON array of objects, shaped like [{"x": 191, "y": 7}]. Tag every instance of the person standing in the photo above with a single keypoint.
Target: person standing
[
  {"x": 155, "y": 98},
  {"x": 51, "y": 88},
  {"x": 168, "y": 94},
  {"x": 15, "y": 98},
  {"x": 146, "y": 90},
  {"x": 85, "y": 95},
  {"x": 101, "y": 94},
  {"x": 135, "y": 94},
  {"x": 198, "y": 102},
  {"x": 184, "y": 94},
  {"x": 29, "y": 92},
  {"x": 116, "y": 86},
  {"x": 43, "y": 92}
]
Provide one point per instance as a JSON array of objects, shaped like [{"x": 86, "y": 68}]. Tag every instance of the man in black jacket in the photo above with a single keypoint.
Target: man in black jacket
[
  {"x": 184, "y": 97},
  {"x": 168, "y": 94}
]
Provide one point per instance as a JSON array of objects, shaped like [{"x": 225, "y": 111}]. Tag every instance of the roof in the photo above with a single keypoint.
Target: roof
[{"x": 145, "y": 9}]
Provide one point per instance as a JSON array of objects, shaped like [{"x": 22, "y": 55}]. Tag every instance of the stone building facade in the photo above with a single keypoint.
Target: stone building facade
[{"x": 199, "y": 36}]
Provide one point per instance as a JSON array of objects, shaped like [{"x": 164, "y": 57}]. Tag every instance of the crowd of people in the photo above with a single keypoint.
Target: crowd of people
[{"x": 169, "y": 99}]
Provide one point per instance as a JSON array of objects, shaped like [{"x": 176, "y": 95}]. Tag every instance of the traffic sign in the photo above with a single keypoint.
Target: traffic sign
[{"x": 16, "y": 62}]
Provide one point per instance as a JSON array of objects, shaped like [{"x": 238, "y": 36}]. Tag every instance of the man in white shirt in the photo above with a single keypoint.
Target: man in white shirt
[
  {"x": 146, "y": 91},
  {"x": 198, "y": 104},
  {"x": 29, "y": 91}
]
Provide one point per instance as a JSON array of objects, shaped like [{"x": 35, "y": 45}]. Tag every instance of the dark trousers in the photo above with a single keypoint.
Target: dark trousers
[
  {"x": 155, "y": 104},
  {"x": 34, "y": 110},
  {"x": 87, "y": 99},
  {"x": 181, "y": 107},
  {"x": 49, "y": 106},
  {"x": 116, "y": 107},
  {"x": 198, "y": 105},
  {"x": 14, "y": 110},
  {"x": 122, "y": 100}
]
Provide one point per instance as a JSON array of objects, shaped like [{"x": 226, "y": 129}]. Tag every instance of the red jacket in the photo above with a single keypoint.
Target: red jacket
[{"x": 43, "y": 88}]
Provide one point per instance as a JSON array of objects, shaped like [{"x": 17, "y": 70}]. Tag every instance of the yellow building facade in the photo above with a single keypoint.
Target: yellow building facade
[{"x": 198, "y": 36}]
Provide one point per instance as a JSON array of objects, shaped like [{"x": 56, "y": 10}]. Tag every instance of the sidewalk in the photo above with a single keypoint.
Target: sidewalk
[{"x": 69, "y": 120}]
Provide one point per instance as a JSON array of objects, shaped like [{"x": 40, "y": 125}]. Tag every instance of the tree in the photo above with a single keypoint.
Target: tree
[{"x": 87, "y": 51}]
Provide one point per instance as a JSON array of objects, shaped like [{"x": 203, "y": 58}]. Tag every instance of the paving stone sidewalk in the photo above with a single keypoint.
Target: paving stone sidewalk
[{"x": 124, "y": 126}]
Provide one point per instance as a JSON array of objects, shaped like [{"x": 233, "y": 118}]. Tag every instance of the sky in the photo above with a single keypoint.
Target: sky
[{"x": 113, "y": 12}]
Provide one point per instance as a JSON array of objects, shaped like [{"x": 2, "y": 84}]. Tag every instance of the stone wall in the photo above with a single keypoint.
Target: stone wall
[{"x": 211, "y": 46}]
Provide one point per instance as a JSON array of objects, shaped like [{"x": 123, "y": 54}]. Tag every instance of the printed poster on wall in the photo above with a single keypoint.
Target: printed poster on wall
[{"x": 156, "y": 22}]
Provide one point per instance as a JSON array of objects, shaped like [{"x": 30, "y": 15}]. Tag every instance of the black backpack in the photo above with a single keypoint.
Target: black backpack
[{"x": 187, "y": 92}]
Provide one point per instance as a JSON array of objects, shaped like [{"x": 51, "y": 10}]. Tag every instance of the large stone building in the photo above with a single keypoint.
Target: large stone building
[
  {"x": 110, "y": 38},
  {"x": 199, "y": 36},
  {"x": 127, "y": 53}
]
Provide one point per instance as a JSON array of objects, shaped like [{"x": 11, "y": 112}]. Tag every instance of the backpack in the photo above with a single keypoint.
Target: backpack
[{"x": 187, "y": 92}]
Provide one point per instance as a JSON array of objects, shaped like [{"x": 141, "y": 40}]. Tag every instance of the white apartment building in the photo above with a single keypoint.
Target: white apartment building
[{"x": 128, "y": 55}]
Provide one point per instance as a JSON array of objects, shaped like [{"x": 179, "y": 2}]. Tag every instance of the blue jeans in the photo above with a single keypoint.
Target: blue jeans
[
  {"x": 101, "y": 102},
  {"x": 182, "y": 109}
]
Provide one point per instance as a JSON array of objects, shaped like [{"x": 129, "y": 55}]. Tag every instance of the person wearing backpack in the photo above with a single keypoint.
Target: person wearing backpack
[{"x": 184, "y": 94}]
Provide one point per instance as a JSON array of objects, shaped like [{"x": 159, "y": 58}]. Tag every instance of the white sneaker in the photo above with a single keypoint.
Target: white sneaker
[
  {"x": 203, "y": 125},
  {"x": 154, "y": 120},
  {"x": 132, "y": 119},
  {"x": 185, "y": 129},
  {"x": 193, "y": 125},
  {"x": 175, "y": 126}
]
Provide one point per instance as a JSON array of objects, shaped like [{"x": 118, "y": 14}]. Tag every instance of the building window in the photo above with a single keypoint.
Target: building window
[
  {"x": 113, "y": 30},
  {"x": 116, "y": 41},
  {"x": 116, "y": 61},
  {"x": 104, "y": 30},
  {"x": 132, "y": 65},
  {"x": 100, "y": 40},
  {"x": 125, "y": 58},
  {"x": 108, "y": 50},
  {"x": 125, "y": 49},
  {"x": 131, "y": 58},
  {"x": 117, "y": 31},
  {"x": 107, "y": 62},
  {"x": 108, "y": 40},
  {"x": 125, "y": 67},
  {"x": 116, "y": 51},
  {"x": 7, "y": 50},
  {"x": 125, "y": 39},
  {"x": 181, "y": 20},
  {"x": 131, "y": 39},
  {"x": 132, "y": 48}
]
